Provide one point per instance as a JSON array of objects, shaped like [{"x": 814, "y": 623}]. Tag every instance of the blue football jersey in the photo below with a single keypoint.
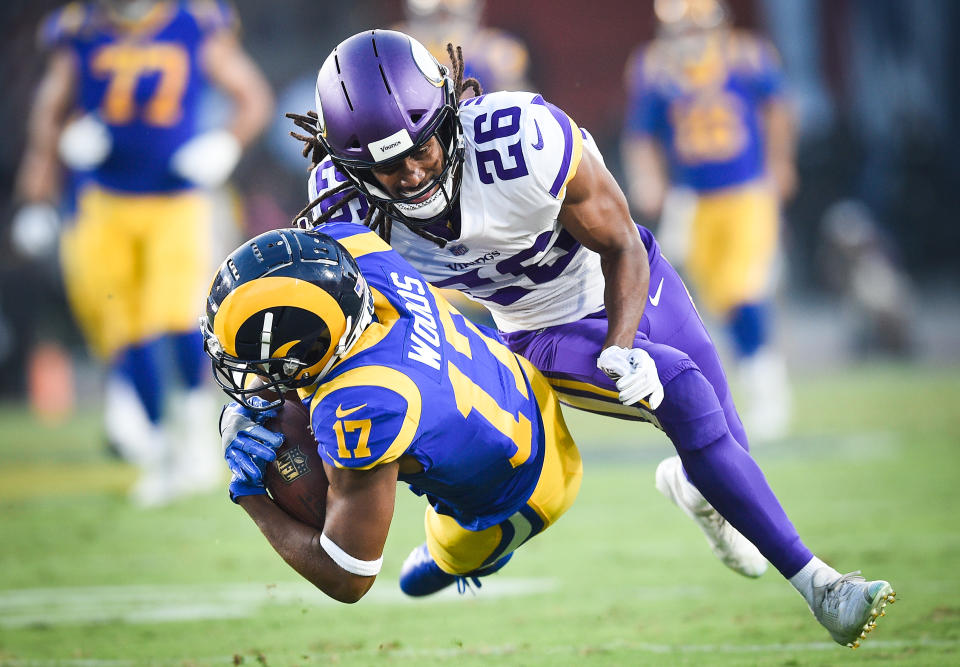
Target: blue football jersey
[
  {"x": 706, "y": 112},
  {"x": 424, "y": 381},
  {"x": 143, "y": 80}
]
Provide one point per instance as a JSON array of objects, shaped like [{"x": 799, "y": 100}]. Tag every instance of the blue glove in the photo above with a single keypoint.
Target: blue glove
[{"x": 248, "y": 447}]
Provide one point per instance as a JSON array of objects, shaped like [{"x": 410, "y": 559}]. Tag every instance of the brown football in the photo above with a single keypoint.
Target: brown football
[{"x": 296, "y": 480}]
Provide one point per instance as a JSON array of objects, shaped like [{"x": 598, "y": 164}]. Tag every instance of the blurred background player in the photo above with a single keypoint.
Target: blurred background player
[
  {"x": 119, "y": 105},
  {"x": 493, "y": 57},
  {"x": 707, "y": 122}
]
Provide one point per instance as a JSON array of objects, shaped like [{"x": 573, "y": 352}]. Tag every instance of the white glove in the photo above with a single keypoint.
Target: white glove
[
  {"x": 208, "y": 159},
  {"x": 34, "y": 229},
  {"x": 635, "y": 374},
  {"x": 85, "y": 143}
]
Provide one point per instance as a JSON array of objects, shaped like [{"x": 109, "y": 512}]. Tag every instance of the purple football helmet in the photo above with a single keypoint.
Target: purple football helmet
[{"x": 380, "y": 95}]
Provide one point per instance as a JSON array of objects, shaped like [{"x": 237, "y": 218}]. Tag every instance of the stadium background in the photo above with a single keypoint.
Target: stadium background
[{"x": 875, "y": 85}]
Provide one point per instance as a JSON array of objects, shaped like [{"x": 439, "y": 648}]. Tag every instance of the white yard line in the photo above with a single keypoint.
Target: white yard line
[{"x": 153, "y": 604}]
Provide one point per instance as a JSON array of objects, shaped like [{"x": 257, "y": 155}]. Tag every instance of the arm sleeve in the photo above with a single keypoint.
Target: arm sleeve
[
  {"x": 768, "y": 81},
  {"x": 60, "y": 27},
  {"x": 552, "y": 145},
  {"x": 360, "y": 426}
]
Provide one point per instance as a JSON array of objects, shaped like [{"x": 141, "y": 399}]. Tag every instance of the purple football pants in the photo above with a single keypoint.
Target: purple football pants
[{"x": 697, "y": 413}]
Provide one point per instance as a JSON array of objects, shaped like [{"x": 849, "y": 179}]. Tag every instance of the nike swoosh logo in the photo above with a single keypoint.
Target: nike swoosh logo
[
  {"x": 539, "y": 145},
  {"x": 655, "y": 299},
  {"x": 341, "y": 413}
]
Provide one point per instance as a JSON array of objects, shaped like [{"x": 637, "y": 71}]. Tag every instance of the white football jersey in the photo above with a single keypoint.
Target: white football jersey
[{"x": 512, "y": 255}]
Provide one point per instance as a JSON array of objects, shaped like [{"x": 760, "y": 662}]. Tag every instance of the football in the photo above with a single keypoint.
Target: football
[{"x": 296, "y": 480}]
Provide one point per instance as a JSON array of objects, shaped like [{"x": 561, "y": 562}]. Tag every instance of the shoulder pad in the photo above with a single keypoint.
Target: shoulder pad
[
  {"x": 326, "y": 178},
  {"x": 365, "y": 417},
  {"x": 554, "y": 145}
]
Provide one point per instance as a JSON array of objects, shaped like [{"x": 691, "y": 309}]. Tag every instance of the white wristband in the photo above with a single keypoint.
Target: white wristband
[{"x": 363, "y": 568}]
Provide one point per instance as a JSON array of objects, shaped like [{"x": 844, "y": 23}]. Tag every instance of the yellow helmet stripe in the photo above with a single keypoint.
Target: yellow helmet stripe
[{"x": 276, "y": 292}]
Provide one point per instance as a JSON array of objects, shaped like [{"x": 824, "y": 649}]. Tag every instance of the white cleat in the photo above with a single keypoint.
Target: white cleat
[
  {"x": 726, "y": 542},
  {"x": 849, "y": 606}
]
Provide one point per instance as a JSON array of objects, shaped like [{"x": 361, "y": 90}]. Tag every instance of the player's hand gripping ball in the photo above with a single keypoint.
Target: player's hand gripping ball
[
  {"x": 295, "y": 478},
  {"x": 247, "y": 447}
]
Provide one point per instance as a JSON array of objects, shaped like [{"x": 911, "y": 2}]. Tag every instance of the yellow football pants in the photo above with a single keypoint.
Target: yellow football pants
[
  {"x": 733, "y": 246},
  {"x": 136, "y": 266},
  {"x": 458, "y": 550}
]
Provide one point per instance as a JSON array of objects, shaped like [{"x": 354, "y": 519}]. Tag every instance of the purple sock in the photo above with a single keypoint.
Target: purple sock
[{"x": 725, "y": 474}]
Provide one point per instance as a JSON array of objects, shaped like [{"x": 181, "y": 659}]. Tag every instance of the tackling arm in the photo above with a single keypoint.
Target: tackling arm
[
  {"x": 595, "y": 211},
  {"x": 359, "y": 510}
]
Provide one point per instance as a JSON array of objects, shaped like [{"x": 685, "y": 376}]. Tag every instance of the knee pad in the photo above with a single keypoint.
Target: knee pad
[{"x": 691, "y": 414}]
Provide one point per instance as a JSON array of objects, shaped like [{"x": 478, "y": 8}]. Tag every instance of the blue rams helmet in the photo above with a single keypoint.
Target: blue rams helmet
[{"x": 282, "y": 310}]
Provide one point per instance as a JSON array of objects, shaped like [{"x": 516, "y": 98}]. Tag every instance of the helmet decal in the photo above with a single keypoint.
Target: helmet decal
[
  {"x": 427, "y": 63},
  {"x": 390, "y": 147},
  {"x": 261, "y": 295}
]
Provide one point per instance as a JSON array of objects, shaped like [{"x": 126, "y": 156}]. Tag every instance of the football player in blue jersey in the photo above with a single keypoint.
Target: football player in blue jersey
[
  {"x": 400, "y": 388},
  {"x": 502, "y": 196},
  {"x": 118, "y": 105},
  {"x": 708, "y": 115}
]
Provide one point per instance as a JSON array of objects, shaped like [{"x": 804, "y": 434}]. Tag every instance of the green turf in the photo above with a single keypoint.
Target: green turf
[{"x": 870, "y": 476}]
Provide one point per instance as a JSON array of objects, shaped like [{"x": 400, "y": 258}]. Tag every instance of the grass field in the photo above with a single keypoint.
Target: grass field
[{"x": 870, "y": 476}]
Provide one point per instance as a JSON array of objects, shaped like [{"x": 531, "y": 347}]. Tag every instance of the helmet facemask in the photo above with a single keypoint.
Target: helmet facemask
[
  {"x": 449, "y": 133},
  {"x": 381, "y": 96}
]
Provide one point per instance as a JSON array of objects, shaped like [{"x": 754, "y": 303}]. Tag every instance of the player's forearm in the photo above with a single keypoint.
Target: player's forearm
[
  {"x": 646, "y": 176},
  {"x": 39, "y": 176},
  {"x": 299, "y": 545},
  {"x": 780, "y": 147},
  {"x": 626, "y": 273},
  {"x": 252, "y": 113}
]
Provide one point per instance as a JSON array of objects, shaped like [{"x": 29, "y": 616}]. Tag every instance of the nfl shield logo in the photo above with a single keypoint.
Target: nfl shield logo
[
  {"x": 292, "y": 464},
  {"x": 458, "y": 249}
]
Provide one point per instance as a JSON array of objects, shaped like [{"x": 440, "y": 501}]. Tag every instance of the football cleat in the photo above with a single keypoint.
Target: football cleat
[
  {"x": 849, "y": 606},
  {"x": 733, "y": 549},
  {"x": 420, "y": 575}
]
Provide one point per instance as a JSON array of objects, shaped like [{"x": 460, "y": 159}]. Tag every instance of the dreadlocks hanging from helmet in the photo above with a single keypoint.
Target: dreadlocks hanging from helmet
[{"x": 381, "y": 214}]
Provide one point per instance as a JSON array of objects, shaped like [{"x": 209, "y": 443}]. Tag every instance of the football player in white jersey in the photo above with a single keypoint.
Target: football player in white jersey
[{"x": 505, "y": 198}]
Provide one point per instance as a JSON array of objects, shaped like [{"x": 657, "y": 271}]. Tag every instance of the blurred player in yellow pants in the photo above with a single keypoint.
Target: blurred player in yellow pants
[
  {"x": 119, "y": 106},
  {"x": 707, "y": 115}
]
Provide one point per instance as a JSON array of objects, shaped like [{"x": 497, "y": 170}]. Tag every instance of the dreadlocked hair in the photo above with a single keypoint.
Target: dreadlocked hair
[{"x": 376, "y": 218}]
